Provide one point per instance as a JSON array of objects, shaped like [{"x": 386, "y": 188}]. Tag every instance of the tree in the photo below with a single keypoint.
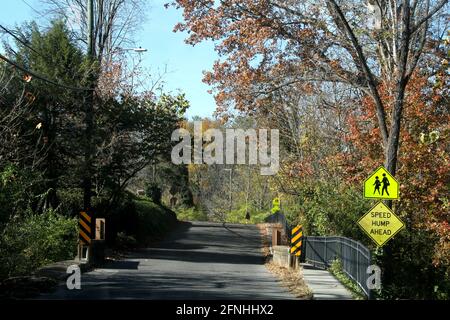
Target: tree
[
  {"x": 270, "y": 44},
  {"x": 270, "y": 48},
  {"x": 15, "y": 127},
  {"x": 132, "y": 133},
  {"x": 228, "y": 192},
  {"x": 115, "y": 22},
  {"x": 423, "y": 173},
  {"x": 51, "y": 116},
  {"x": 104, "y": 25}
]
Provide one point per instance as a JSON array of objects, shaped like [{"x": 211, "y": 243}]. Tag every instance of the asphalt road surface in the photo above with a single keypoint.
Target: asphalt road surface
[{"x": 196, "y": 261}]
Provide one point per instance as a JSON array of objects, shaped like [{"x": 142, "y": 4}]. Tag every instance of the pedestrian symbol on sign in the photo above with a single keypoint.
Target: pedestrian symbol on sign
[
  {"x": 377, "y": 185},
  {"x": 385, "y": 183}
]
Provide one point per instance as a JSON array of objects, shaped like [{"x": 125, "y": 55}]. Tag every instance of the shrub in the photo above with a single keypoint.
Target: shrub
[
  {"x": 153, "y": 191},
  {"x": 19, "y": 191},
  {"x": 71, "y": 201},
  {"x": 338, "y": 272},
  {"x": 124, "y": 241},
  {"x": 120, "y": 218},
  {"x": 239, "y": 215},
  {"x": 139, "y": 218},
  {"x": 153, "y": 221},
  {"x": 327, "y": 209},
  {"x": 35, "y": 240},
  {"x": 191, "y": 214}
]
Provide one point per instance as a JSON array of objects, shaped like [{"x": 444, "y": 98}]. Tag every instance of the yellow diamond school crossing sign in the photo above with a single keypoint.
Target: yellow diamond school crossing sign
[
  {"x": 381, "y": 185},
  {"x": 380, "y": 224}
]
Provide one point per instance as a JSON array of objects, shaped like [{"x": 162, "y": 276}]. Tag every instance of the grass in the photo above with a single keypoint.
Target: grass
[
  {"x": 292, "y": 280},
  {"x": 234, "y": 216},
  {"x": 154, "y": 221},
  {"x": 238, "y": 216},
  {"x": 191, "y": 214},
  {"x": 337, "y": 271}
]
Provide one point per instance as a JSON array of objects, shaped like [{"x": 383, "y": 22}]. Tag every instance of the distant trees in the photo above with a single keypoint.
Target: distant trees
[{"x": 226, "y": 192}]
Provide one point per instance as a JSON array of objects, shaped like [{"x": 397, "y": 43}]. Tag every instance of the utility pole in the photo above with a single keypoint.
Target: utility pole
[
  {"x": 89, "y": 110},
  {"x": 231, "y": 194},
  {"x": 230, "y": 200},
  {"x": 247, "y": 213}
]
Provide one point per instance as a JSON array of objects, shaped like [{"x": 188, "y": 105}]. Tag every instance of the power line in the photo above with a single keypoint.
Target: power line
[
  {"x": 31, "y": 7},
  {"x": 34, "y": 74},
  {"x": 38, "y": 76},
  {"x": 24, "y": 43}
]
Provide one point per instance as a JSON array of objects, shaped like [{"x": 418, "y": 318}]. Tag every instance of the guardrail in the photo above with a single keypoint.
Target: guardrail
[{"x": 355, "y": 257}]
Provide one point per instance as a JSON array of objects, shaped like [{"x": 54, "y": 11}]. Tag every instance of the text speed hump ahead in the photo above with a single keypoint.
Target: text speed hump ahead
[
  {"x": 380, "y": 224},
  {"x": 381, "y": 185}
]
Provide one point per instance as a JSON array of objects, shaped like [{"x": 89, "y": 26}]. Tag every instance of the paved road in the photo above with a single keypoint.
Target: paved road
[{"x": 197, "y": 261}]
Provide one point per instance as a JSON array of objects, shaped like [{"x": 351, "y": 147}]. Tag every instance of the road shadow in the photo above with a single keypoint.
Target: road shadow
[
  {"x": 182, "y": 286},
  {"x": 230, "y": 229},
  {"x": 121, "y": 265},
  {"x": 204, "y": 242},
  {"x": 196, "y": 261},
  {"x": 182, "y": 255}
]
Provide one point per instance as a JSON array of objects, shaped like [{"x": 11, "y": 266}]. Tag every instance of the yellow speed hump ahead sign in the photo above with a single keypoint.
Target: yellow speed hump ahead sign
[
  {"x": 381, "y": 185},
  {"x": 380, "y": 223}
]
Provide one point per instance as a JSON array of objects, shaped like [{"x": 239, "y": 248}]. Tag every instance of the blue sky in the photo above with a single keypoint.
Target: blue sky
[{"x": 184, "y": 62}]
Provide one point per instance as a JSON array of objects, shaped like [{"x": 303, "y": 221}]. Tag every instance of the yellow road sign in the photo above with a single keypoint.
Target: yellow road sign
[
  {"x": 381, "y": 185},
  {"x": 275, "y": 205},
  {"x": 276, "y": 202},
  {"x": 380, "y": 223}
]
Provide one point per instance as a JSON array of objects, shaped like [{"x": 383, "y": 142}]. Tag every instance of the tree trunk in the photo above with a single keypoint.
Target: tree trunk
[
  {"x": 391, "y": 152},
  {"x": 391, "y": 156}
]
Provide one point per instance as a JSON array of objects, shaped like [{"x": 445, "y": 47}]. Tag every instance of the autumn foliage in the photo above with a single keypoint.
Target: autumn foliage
[{"x": 423, "y": 171}]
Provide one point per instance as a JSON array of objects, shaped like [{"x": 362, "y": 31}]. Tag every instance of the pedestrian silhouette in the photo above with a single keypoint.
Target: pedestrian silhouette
[
  {"x": 386, "y": 184},
  {"x": 377, "y": 185}
]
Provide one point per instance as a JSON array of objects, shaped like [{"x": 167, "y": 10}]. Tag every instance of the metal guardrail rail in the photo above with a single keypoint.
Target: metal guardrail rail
[{"x": 355, "y": 257}]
